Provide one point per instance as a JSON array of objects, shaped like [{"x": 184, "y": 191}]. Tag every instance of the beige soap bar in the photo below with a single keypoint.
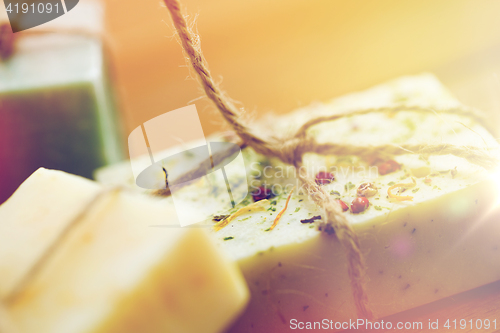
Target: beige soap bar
[
  {"x": 442, "y": 242},
  {"x": 109, "y": 270}
]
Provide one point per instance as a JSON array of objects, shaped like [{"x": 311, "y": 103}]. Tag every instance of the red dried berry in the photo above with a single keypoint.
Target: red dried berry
[
  {"x": 359, "y": 204},
  {"x": 261, "y": 193},
  {"x": 323, "y": 178},
  {"x": 342, "y": 204},
  {"x": 395, "y": 165},
  {"x": 388, "y": 167},
  {"x": 384, "y": 169}
]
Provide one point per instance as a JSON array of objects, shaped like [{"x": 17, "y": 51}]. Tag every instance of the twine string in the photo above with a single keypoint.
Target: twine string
[
  {"x": 334, "y": 217},
  {"x": 290, "y": 150},
  {"x": 461, "y": 111},
  {"x": 226, "y": 107}
]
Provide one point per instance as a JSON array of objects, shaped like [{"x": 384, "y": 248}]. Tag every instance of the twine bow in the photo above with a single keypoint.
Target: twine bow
[{"x": 291, "y": 149}]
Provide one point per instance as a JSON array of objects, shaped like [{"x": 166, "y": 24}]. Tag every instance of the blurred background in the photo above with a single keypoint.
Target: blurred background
[
  {"x": 278, "y": 55},
  {"x": 69, "y": 99}
]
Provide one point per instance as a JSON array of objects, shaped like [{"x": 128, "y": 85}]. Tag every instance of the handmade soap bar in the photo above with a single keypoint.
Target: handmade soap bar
[
  {"x": 430, "y": 229},
  {"x": 56, "y": 105},
  {"x": 76, "y": 257}
]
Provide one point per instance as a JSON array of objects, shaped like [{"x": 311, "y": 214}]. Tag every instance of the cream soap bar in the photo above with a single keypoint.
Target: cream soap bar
[
  {"x": 75, "y": 257},
  {"x": 443, "y": 241}
]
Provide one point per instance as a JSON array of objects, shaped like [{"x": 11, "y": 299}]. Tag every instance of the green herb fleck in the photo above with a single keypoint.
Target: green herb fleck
[
  {"x": 344, "y": 159},
  {"x": 273, "y": 202},
  {"x": 267, "y": 229},
  {"x": 415, "y": 190},
  {"x": 334, "y": 193},
  {"x": 297, "y": 209},
  {"x": 245, "y": 202},
  {"x": 398, "y": 98},
  {"x": 410, "y": 124},
  {"x": 349, "y": 186},
  {"x": 391, "y": 183},
  {"x": 378, "y": 208},
  {"x": 228, "y": 238}
]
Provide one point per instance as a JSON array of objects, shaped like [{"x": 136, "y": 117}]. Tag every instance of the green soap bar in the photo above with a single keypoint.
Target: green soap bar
[{"x": 56, "y": 109}]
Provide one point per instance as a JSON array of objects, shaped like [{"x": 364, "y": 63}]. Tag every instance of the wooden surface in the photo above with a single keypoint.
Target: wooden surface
[
  {"x": 278, "y": 55},
  {"x": 481, "y": 303}
]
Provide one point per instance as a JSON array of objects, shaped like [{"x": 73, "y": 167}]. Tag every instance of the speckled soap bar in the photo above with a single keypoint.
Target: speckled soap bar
[{"x": 443, "y": 240}]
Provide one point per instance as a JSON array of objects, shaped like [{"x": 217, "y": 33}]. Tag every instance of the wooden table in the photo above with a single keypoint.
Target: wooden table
[{"x": 477, "y": 304}]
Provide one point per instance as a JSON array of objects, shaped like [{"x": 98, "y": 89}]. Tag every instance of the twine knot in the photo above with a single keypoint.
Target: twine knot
[{"x": 288, "y": 150}]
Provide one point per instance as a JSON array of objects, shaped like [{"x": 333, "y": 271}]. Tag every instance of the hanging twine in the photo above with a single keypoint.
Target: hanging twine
[{"x": 291, "y": 149}]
